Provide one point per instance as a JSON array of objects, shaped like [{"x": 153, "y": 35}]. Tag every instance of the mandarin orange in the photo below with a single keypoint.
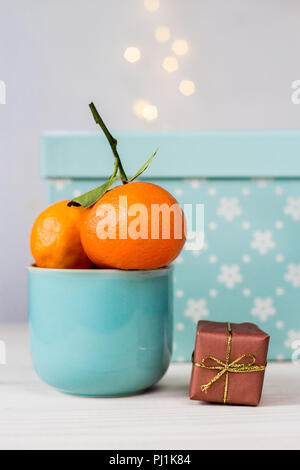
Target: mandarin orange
[
  {"x": 55, "y": 238},
  {"x": 134, "y": 226}
]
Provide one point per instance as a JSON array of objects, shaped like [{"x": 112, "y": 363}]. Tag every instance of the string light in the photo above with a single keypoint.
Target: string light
[
  {"x": 170, "y": 64},
  {"x": 180, "y": 47},
  {"x": 150, "y": 112},
  {"x": 187, "y": 87},
  {"x": 132, "y": 54},
  {"x": 162, "y": 34},
  {"x": 151, "y": 5}
]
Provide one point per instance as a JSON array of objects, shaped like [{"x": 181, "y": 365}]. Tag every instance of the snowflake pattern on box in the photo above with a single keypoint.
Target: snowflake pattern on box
[{"x": 249, "y": 267}]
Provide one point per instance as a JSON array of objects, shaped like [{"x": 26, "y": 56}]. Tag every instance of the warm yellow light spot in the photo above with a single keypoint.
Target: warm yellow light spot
[
  {"x": 162, "y": 34},
  {"x": 138, "y": 107},
  {"x": 180, "y": 47},
  {"x": 132, "y": 54},
  {"x": 150, "y": 112},
  {"x": 151, "y": 5},
  {"x": 145, "y": 110},
  {"x": 170, "y": 64},
  {"x": 187, "y": 87}
]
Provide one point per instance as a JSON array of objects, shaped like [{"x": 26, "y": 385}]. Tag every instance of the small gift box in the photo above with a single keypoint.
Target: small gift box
[{"x": 229, "y": 363}]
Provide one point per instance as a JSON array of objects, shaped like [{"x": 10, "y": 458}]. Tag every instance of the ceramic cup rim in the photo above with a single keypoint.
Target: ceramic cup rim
[{"x": 102, "y": 272}]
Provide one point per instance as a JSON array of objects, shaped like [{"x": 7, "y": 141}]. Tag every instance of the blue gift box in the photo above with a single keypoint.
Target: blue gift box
[{"x": 249, "y": 183}]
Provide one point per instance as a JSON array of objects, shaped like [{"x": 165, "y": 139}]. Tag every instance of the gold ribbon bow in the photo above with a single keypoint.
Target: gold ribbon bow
[{"x": 228, "y": 367}]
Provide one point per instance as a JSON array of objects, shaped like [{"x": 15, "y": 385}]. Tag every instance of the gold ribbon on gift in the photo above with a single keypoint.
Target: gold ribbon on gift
[{"x": 227, "y": 367}]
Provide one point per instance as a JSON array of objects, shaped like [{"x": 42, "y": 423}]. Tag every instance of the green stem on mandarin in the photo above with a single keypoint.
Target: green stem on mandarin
[{"x": 112, "y": 141}]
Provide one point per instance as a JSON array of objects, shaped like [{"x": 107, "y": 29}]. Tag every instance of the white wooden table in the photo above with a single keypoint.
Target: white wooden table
[{"x": 34, "y": 416}]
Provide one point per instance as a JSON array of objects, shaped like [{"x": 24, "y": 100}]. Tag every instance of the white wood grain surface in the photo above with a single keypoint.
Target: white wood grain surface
[{"x": 34, "y": 416}]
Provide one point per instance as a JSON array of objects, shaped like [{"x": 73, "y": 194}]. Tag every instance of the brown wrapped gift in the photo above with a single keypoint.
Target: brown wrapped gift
[{"x": 229, "y": 363}]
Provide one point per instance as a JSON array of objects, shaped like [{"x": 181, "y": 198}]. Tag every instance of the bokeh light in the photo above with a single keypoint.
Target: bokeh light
[
  {"x": 170, "y": 64},
  {"x": 145, "y": 110},
  {"x": 180, "y": 47},
  {"x": 151, "y": 5},
  {"x": 187, "y": 87},
  {"x": 138, "y": 107},
  {"x": 150, "y": 112},
  {"x": 132, "y": 54},
  {"x": 162, "y": 34}
]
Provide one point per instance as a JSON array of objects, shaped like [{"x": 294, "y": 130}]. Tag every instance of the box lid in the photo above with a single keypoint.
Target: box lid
[{"x": 182, "y": 154}]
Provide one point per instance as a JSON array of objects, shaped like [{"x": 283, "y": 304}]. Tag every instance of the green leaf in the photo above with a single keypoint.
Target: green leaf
[
  {"x": 91, "y": 197},
  {"x": 143, "y": 168},
  {"x": 86, "y": 200}
]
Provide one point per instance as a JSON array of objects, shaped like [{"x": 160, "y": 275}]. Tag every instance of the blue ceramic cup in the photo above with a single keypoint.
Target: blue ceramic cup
[{"x": 100, "y": 332}]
